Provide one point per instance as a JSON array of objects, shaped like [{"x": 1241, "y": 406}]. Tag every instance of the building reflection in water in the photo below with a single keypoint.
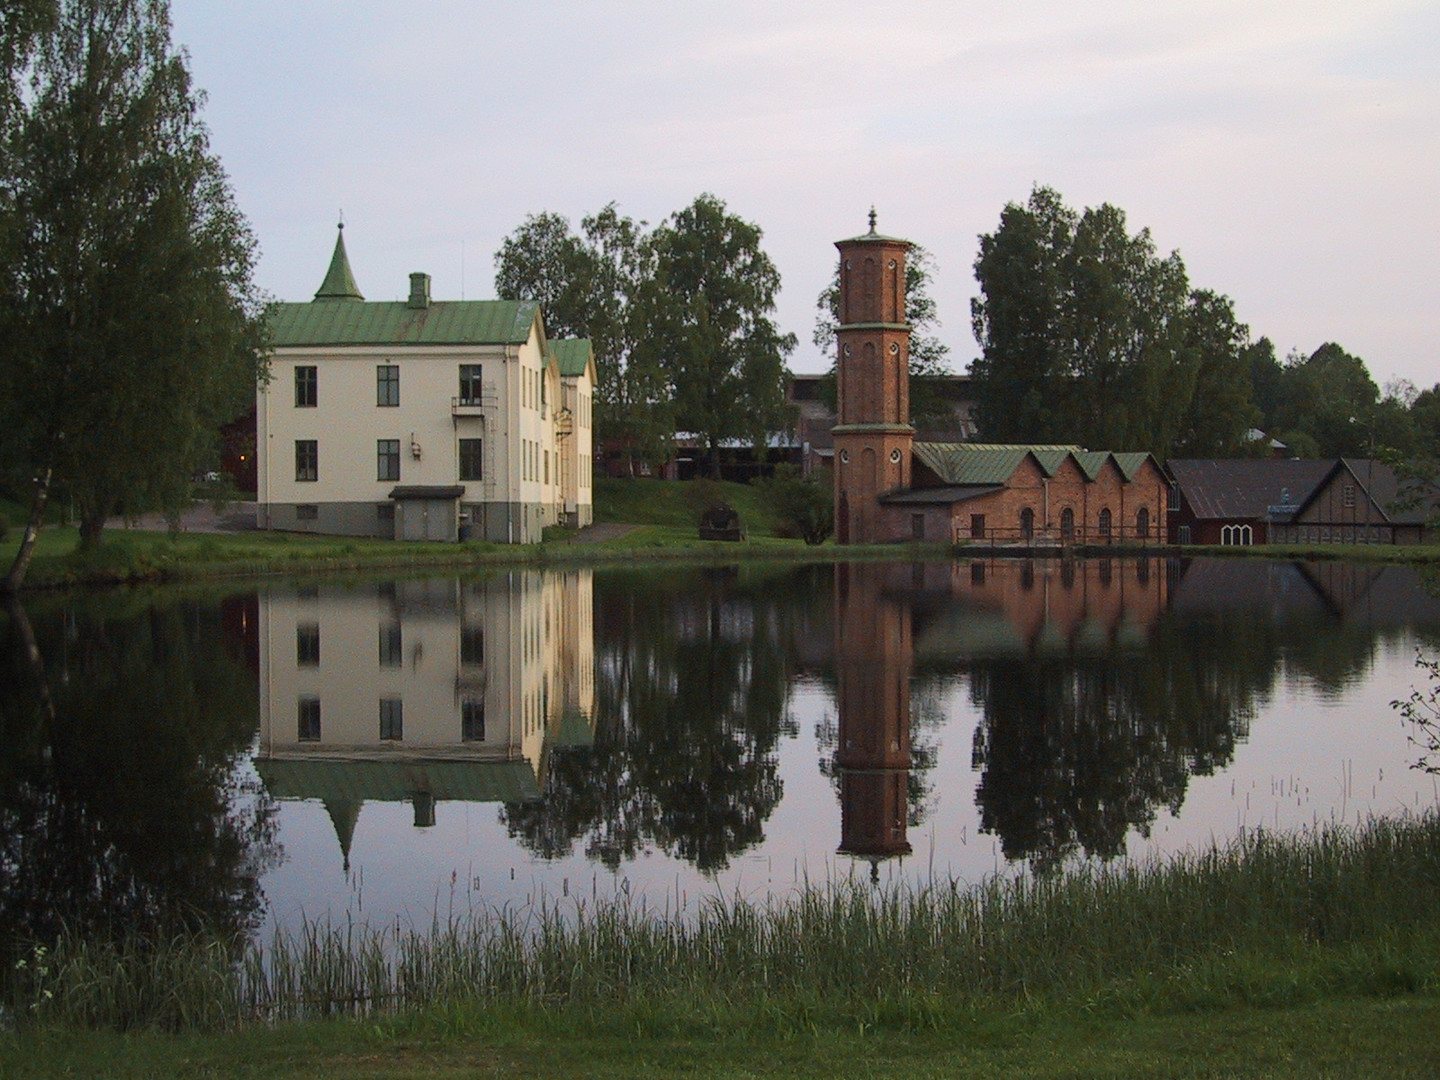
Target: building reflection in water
[
  {"x": 873, "y": 658},
  {"x": 422, "y": 691},
  {"x": 997, "y": 617}
]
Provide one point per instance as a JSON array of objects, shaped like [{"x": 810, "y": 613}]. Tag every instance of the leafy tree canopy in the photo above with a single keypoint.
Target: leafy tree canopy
[
  {"x": 127, "y": 289},
  {"x": 1089, "y": 335}
]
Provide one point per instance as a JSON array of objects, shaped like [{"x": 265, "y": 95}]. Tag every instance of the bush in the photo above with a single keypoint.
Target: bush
[{"x": 804, "y": 505}]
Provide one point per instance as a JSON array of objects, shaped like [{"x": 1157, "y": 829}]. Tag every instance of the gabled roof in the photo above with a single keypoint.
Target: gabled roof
[
  {"x": 339, "y": 283},
  {"x": 970, "y": 464},
  {"x": 1377, "y": 480},
  {"x": 1245, "y": 488},
  {"x": 572, "y": 355},
  {"x": 455, "y": 322}
]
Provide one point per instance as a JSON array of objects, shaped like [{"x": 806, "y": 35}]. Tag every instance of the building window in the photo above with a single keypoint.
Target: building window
[
  {"x": 1349, "y": 493},
  {"x": 307, "y": 512},
  {"x": 387, "y": 385},
  {"x": 307, "y": 459},
  {"x": 1027, "y": 523},
  {"x": 546, "y": 455},
  {"x": 1142, "y": 523},
  {"x": 1104, "y": 524},
  {"x": 391, "y": 644},
  {"x": 472, "y": 645},
  {"x": 977, "y": 526},
  {"x": 1067, "y": 524},
  {"x": 307, "y": 645},
  {"x": 472, "y": 720},
  {"x": 387, "y": 459},
  {"x": 305, "y": 386},
  {"x": 308, "y": 720},
  {"x": 392, "y": 719},
  {"x": 472, "y": 459},
  {"x": 470, "y": 390}
]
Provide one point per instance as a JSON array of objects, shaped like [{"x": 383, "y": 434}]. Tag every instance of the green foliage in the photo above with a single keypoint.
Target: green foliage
[
  {"x": 128, "y": 288},
  {"x": 587, "y": 287},
  {"x": 804, "y": 505},
  {"x": 1421, "y": 710},
  {"x": 703, "y": 314},
  {"x": 1330, "y": 396},
  {"x": 1089, "y": 336},
  {"x": 1265, "y": 922}
]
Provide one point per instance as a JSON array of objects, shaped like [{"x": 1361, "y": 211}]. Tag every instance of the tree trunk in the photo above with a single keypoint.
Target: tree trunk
[
  {"x": 32, "y": 654},
  {"x": 92, "y": 523},
  {"x": 16, "y": 577}
]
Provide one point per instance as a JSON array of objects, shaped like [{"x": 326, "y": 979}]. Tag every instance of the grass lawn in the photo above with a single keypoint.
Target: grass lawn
[{"x": 1391, "y": 1037}]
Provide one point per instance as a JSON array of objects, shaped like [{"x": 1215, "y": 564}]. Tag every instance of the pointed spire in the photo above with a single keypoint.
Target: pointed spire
[
  {"x": 343, "y": 815},
  {"x": 339, "y": 283},
  {"x": 872, "y": 219}
]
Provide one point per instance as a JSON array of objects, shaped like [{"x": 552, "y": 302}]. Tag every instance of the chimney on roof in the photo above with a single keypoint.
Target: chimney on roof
[{"x": 419, "y": 291}]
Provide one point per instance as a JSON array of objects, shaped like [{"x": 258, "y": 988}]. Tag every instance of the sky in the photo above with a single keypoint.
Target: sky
[{"x": 1290, "y": 151}]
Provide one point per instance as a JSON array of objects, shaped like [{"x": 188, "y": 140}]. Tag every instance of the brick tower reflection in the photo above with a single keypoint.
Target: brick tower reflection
[{"x": 873, "y": 655}]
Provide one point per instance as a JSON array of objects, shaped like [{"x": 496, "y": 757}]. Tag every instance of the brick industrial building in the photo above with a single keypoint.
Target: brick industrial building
[{"x": 888, "y": 487}]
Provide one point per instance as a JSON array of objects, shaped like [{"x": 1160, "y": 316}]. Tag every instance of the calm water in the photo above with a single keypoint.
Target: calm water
[{"x": 402, "y": 749}]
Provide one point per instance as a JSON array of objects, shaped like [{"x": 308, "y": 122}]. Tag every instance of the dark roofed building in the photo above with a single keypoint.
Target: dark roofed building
[{"x": 1269, "y": 501}]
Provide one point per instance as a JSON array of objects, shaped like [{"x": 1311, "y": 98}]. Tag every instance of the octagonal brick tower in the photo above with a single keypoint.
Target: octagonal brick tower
[{"x": 873, "y": 436}]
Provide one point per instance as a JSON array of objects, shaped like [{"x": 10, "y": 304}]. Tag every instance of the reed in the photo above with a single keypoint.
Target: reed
[{"x": 1265, "y": 919}]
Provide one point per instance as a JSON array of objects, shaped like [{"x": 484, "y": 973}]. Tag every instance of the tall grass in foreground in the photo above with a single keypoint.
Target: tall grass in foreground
[{"x": 1267, "y": 918}]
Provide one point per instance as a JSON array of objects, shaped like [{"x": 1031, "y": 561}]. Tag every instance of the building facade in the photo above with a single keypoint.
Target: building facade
[
  {"x": 889, "y": 487},
  {"x": 1295, "y": 501},
  {"x": 422, "y": 419}
]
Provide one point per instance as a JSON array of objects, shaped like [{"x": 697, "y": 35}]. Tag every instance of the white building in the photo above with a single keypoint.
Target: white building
[
  {"x": 421, "y": 419},
  {"x": 424, "y": 691}
]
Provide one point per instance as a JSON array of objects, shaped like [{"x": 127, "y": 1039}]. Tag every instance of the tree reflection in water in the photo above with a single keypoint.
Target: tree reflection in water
[
  {"x": 693, "y": 674},
  {"x": 124, "y": 816}
]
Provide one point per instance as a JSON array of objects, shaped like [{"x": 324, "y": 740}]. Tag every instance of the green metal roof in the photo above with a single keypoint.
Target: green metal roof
[
  {"x": 1131, "y": 462},
  {"x": 968, "y": 464},
  {"x": 1091, "y": 462},
  {"x": 339, "y": 283},
  {"x": 455, "y": 322},
  {"x": 340, "y": 782},
  {"x": 572, "y": 354}
]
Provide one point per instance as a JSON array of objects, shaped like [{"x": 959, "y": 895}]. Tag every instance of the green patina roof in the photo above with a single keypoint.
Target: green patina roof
[
  {"x": 572, "y": 354},
  {"x": 1091, "y": 462},
  {"x": 341, "y": 783},
  {"x": 455, "y": 322},
  {"x": 339, "y": 283},
  {"x": 1131, "y": 462},
  {"x": 969, "y": 464}
]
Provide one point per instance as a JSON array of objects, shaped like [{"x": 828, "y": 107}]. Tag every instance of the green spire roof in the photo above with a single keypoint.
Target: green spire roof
[{"x": 339, "y": 283}]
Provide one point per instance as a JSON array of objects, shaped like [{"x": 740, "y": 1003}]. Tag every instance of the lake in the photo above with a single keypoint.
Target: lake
[{"x": 412, "y": 749}]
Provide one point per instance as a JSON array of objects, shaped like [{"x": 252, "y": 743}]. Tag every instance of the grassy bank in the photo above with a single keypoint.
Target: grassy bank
[
  {"x": 1248, "y": 944},
  {"x": 660, "y": 517}
]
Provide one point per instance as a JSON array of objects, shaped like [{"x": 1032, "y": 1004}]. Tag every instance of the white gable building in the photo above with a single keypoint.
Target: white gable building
[{"x": 422, "y": 420}]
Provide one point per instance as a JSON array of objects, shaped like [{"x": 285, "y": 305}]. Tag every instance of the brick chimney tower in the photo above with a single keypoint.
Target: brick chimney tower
[{"x": 872, "y": 432}]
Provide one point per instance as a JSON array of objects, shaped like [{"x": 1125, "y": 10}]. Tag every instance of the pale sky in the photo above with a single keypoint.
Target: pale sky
[{"x": 1289, "y": 150}]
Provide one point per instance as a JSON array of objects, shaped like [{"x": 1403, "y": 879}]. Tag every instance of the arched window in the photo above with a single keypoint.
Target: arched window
[
  {"x": 1067, "y": 524},
  {"x": 1027, "y": 523},
  {"x": 1105, "y": 524},
  {"x": 1142, "y": 523}
]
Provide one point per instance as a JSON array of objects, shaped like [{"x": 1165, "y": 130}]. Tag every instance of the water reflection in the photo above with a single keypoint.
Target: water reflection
[
  {"x": 679, "y": 725},
  {"x": 423, "y": 691},
  {"x": 693, "y": 674},
  {"x": 123, "y": 813}
]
